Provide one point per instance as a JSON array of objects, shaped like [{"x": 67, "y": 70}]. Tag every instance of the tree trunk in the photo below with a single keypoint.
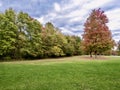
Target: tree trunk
[
  {"x": 95, "y": 54},
  {"x": 91, "y": 54}
]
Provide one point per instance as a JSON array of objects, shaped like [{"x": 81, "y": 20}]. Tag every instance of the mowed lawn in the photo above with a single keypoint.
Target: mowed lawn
[{"x": 72, "y": 73}]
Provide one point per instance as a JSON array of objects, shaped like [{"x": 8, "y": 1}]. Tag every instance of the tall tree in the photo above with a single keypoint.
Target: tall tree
[
  {"x": 97, "y": 37},
  {"x": 29, "y": 38},
  {"x": 34, "y": 39},
  {"x": 21, "y": 40},
  {"x": 7, "y": 35}
]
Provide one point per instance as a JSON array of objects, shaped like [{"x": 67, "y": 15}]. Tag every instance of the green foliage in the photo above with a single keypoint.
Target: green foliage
[
  {"x": 69, "y": 50},
  {"x": 21, "y": 36},
  {"x": 7, "y": 36},
  {"x": 73, "y": 46},
  {"x": 56, "y": 51}
]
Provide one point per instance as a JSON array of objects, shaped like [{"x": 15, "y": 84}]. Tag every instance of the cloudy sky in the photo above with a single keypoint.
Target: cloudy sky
[{"x": 67, "y": 15}]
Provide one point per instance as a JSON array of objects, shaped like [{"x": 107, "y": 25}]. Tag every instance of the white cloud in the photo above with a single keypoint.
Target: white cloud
[
  {"x": 41, "y": 19},
  {"x": 116, "y": 38},
  {"x": 114, "y": 18},
  {"x": 96, "y": 4},
  {"x": 0, "y": 4},
  {"x": 66, "y": 31},
  {"x": 114, "y": 22},
  {"x": 34, "y": 1},
  {"x": 57, "y": 7},
  {"x": 77, "y": 11}
]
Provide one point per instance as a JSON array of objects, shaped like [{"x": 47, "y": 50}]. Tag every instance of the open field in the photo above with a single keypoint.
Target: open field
[{"x": 71, "y": 73}]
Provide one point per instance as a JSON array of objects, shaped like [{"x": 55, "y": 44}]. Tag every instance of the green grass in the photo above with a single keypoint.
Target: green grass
[{"x": 73, "y": 73}]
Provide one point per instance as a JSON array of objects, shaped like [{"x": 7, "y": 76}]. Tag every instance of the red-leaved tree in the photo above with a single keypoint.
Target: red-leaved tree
[{"x": 97, "y": 37}]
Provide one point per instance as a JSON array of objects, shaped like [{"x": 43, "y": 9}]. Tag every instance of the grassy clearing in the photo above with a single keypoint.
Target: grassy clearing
[{"x": 73, "y": 73}]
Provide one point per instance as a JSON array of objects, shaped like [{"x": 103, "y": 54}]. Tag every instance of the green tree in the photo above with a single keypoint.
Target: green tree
[
  {"x": 7, "y": 36},
  {"x": 73, "y": 46},
  {"x": 77, "y": 45},
  {"x": 34, "y": 39},
  {"x": 22, "y": 36},
  {"x": 21, "y": 39},
  {"x": 29, "y": 36},
  {"x": 53, "y": 41},
  {"x": 68, "y": 47}
]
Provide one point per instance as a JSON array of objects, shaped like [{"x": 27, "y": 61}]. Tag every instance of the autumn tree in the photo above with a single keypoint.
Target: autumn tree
[{"x": 97, "y": 37}]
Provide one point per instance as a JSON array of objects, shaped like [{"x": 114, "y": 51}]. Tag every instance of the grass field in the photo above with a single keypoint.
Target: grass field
[{"x": 72, "y": 73}]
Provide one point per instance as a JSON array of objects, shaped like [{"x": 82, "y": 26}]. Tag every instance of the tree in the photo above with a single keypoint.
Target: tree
[
  {"x": 51, "y": 39},
  {"x": 34, "y": 39},
  {"x": 97, "y": 37},
  {"x": 7, "y": 36},
  {"x": 28, "y": 36},
  {"x": 77, "y": 45},
  {"x": 22, "y": 36},
  {"x": 118, "y": 48}
]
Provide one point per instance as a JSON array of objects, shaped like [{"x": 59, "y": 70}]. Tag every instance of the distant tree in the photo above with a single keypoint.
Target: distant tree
[
  {"x": 51, "y": 39},
  {"x": 73, "y": 45},
  {"x": 97, "y": 37},
  {"x": 118, "y": 47},
  {"x": 69, "y": 48},
  {"x": 77, "y": 45}
]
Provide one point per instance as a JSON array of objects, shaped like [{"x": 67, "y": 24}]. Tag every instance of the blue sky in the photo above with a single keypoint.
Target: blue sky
[{"x": 67, "y": 15}]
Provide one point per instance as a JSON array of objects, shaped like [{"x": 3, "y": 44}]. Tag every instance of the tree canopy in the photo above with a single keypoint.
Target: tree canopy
[
  {"x": 97, "y": 37},
  {"x": 23, "y": 37}
]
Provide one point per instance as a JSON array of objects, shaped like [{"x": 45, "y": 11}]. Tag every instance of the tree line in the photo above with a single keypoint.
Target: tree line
[{"x": 23, "y": 37}]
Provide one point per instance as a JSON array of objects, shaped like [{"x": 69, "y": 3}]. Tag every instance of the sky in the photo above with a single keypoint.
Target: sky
[{"x": 67, "y": 15}]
